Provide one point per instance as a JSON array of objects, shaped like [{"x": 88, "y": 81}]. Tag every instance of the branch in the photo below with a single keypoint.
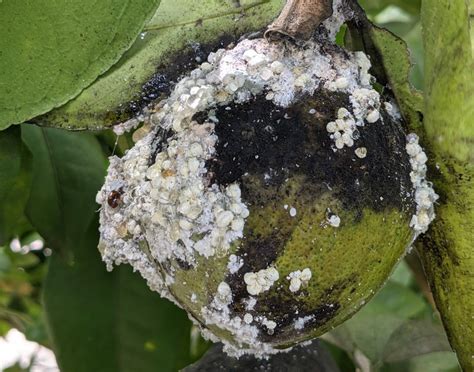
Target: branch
[{"x": 299, "y": 19}]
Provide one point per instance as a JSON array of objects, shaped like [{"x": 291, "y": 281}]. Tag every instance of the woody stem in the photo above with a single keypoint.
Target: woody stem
[{"x": 299, "y": 19}]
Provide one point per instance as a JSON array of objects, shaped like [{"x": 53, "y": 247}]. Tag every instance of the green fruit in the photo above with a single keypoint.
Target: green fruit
[{"x": 272, "y": 196}]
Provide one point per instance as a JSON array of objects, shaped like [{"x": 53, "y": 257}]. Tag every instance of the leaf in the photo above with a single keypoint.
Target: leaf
[
  {"x": 15, "y": 182},
  {"x": 399, "y": 301},
  {"x": 372, "y": 327},
  {"x": 179, "y": 31},
  {"x": 446, "y": 250},
  {"x": 433, "y": 362},
  {"x": 397, "y": 65},
  {"x": 414, "y": 338},
  {"x": 391, "y": 64},
  {"x": 98, "y": 321},
  {"x": 110, "y": 322},
  {"x": 376, "y": 6},
  {"x": 51, "y": 50},
  {"x": 402, "y": 275},
  {"x": 68, "y": 170},
  {"x": 371, "y": 331}
]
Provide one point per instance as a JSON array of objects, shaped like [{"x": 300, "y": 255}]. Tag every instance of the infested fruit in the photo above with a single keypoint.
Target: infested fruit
[{"x": 272, "y": 196}]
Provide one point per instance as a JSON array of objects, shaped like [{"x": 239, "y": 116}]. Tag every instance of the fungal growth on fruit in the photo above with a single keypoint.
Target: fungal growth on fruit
[{"x": 271, "y": 194}]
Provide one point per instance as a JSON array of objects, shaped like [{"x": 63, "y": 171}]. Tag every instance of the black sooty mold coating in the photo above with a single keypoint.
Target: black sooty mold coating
[{"x": 260, "y": 141}]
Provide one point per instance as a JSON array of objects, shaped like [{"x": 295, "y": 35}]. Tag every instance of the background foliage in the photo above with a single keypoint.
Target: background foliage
[{"x": 60, "y": 295}]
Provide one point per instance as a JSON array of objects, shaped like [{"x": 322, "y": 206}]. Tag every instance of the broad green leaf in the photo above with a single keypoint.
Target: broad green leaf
[
  {"x": 415, "y": 44},
  {"x": 110, "y": 321},
  {"x": 370, "y": 332},
  {"x": 51, "y": 50},
  {"x": 15, "y": 182},
  {"x": 179, "y": 31},
  {"x": 68, "y": 170},
  {"x": 449, "y": 116},
  {"x": 5, "y": 262},
  {"x": 397, "y": 65},
  {"x": 414, "y": 338}
]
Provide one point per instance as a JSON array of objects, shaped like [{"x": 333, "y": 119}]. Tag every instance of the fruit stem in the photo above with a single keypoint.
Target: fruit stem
[{"x": 299, "y": 19}]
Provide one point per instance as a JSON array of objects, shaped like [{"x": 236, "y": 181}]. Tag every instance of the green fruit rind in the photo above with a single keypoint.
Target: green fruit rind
[
  {"x": 339, "y": 279},
  {"x": 447, "y": 251},
  {"x": 265, "y": 198}
]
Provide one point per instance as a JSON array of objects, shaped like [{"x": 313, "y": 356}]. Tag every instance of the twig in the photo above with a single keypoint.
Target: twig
[{"x": 299, "y": 19}]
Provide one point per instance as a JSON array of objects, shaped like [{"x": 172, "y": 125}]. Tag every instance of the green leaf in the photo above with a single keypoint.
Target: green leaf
[
  {"x": 160, "y": 56},
  {"x": 15, "y": 182},
  {"x": 5, "y": 262},
  {"x": 68, "y": 170},
  {"x": 51, "y": 50},
  {"x": 371, "y": 329},
  {"x": 414, "y": 338},
  {"x": 395, "y": 59},
  {"x": 398, "y": 300},
  {"x": 391, "y": 64},
  {"x": 110, "y": 322},
  {"x": 402, "y": 274},
  {"x": 376, "y": 6},
  {"x": 99, "y": 321}
]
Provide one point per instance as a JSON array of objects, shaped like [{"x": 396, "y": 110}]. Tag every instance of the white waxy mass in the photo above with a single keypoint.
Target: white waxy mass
[{"x": 166, "y": 209}]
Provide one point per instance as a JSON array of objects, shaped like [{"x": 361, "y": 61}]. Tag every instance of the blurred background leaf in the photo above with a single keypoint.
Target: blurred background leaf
[
  {"x": 15, "y": 182},
  {"x": 101, "y": 321},
  {"x": 68, "y": 170},
  {"x": 396, "y": 328},
  {"x": 97, "y": 320}
]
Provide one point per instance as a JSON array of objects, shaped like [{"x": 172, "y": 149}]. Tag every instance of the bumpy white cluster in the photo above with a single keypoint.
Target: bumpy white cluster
[
  {"x": 298, "y": 278},
  {"x": 244, "y": 329},
  {"x": 165, "y": 201},
  {"x": 158, "y": 204},
  {"x": 365, "y": 103},
  {"x": 169, "y": 202},
  {"x": 343, "y": 129},
  {"x": 425, "y": 196},
  {"x": 235, "y": 263},
  {"x": 300, "y": 322},
  {"x": 334, "y": 220},
  {"x": 261, "y": 281}
]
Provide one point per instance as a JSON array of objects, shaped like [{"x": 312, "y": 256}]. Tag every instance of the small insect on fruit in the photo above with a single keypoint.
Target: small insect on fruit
[{"x": 114, "y": 198}]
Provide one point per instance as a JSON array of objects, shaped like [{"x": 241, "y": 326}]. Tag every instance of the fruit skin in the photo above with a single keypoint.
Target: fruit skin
[
  {"x": 348, "y": 263},
  {"x": 316, "y": 207}
]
